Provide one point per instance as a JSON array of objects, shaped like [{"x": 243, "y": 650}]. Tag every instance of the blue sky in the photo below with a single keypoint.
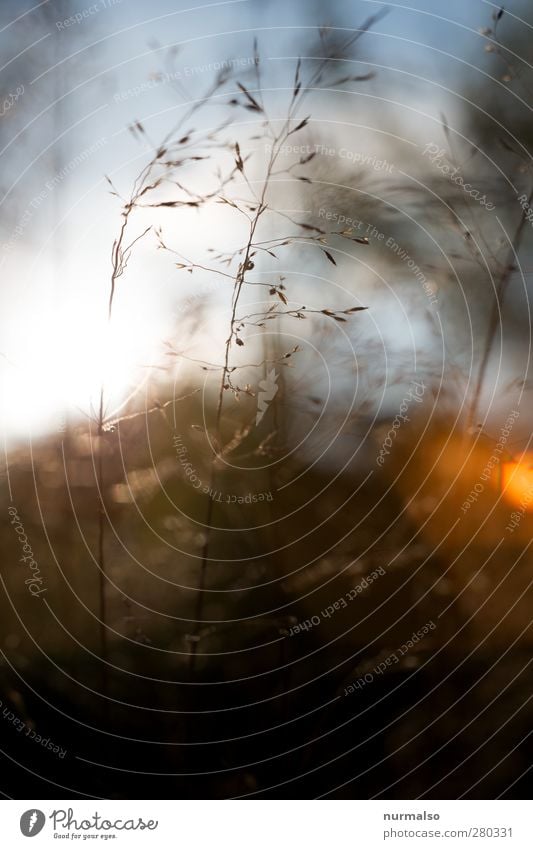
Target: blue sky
[{"x": 92, "y": 68}]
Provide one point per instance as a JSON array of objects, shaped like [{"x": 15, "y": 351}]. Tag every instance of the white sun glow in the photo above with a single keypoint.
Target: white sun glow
[{"x": 56, "y": 357}]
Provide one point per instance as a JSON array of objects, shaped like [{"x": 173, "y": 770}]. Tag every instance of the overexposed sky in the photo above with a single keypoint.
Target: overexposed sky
[{"x": 87, "y": 78}]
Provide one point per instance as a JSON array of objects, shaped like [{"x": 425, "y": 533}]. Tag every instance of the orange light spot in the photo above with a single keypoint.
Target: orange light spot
[{"x": 517, "y": 482}]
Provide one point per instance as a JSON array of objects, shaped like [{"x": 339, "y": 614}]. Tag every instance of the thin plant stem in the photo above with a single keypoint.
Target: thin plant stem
[
  {"x": 495, "y": 314},
  {"x": 239, "y": 282},
  {"x": 120, "y": 255},
  {"x": 299, "y": 94}
]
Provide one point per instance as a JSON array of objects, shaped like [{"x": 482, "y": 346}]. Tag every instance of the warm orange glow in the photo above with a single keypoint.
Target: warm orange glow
[{"x": 517, "y": 482}]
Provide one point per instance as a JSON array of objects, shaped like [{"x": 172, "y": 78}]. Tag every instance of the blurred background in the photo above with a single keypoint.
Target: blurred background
[{"x": 265, "y": 347}]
